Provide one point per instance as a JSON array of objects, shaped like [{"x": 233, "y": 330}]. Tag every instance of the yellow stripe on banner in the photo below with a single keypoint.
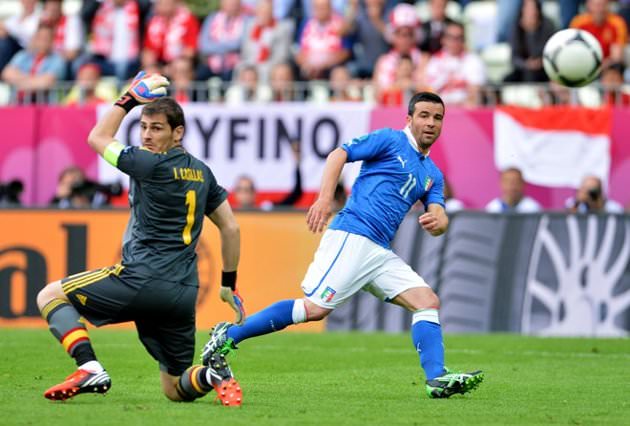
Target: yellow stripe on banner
[
  {"x": 73, "y": 337},
  {"x": 82, "y": 283},
  {"x": 50, "y": 306},
  {"x": 193, "y": 379},
  {"x": 82, "y": 277}
]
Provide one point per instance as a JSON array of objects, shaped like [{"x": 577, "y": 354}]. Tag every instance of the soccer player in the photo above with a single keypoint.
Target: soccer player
[
  {"x": 156, "y": 283},
  {"x": 355, "y": 252}
]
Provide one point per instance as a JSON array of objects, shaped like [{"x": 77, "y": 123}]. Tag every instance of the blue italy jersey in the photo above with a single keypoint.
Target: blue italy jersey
[{"x": 394, "y": 175}]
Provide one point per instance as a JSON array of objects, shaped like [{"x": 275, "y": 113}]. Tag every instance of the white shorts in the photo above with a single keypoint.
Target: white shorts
[{"x": 345, "y": 263}]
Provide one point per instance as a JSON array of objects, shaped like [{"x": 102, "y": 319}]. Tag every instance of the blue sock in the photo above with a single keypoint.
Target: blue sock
[
  {"x": 273, "y": 318},
  {"x": 426, "y": 333}
]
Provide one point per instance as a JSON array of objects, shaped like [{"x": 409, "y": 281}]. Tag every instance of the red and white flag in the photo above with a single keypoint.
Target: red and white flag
[{"x": 553, "y": 146}]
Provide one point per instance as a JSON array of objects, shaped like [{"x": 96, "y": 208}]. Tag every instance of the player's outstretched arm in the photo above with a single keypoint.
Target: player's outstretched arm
[
  {"x": 435, "y": 220},
  {"x": 143, "y": 89},
  {"x": 224, "y": 219},
  {"x": 321, "y": 210}
]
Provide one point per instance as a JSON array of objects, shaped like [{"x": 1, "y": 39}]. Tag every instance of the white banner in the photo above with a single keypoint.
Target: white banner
[{"x": 255, "y": 140}]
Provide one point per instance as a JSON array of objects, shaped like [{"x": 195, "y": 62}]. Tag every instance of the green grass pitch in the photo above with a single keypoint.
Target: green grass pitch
[{"x": 330, "y": 379}]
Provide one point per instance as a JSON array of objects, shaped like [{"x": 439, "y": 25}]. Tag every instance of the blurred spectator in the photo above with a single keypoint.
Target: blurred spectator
[
  {"x": 403, "y": 32},
  {"x": 322, "y": 45},
  {"x": 281, "y": 81},
  {"x": 513, "y": 198},
  {"x": 296, "y": 193},
  {"x": 69, "y": 178},
  {"x": 285, "y": 8},
  {"x": 611, "y": 80},
  {"x": 507, "y": 18},
  {"x": 10, "y": 194},
  {"x": 245, "y": 88},
  {"x": 433, "y": 29},
  {"x": 220, "y": 41},
  {"x": 181, "y": 74},
  {"x": 591, "y": 198},
  {"x": 527, "y": 41},
  {"x": 454, "y": 73},
  {"x": 244, "y": 193},
  {"x": 398, "y": 92},
  {"x": 365, "y": 23},
  {"x": 608, "y": 28},
  {"x": 171, "y": 33},
  {"x": 68, "y": 39},
  {"x": 16, "y": 31},
  {"x": 569, "y": 10},
  {"x": 267, "y": 41},
  {"x": 115, "y": 35},
  {"x": 342, "y": 87},
  {"x": 623, "y": 9},
  {"x": 451, "y": 204},
  {"x": 35, "y": 69},
  {"x": 74, "y": 190},
  {"x": 86, "y": 89}
]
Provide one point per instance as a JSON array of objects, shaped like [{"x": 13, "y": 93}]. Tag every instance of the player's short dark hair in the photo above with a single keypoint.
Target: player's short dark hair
[
  {"x": 169, "y": 107},
  {"x": 423, "y": 97}
]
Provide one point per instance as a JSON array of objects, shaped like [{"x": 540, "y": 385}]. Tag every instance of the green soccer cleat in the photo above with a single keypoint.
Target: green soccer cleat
[
  {"x": 451, "y": 383},
  {"x": 219, "y": 343}
]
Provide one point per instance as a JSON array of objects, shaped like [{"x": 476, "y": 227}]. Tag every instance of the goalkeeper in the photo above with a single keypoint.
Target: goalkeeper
[{"x": 156, "y": 283}]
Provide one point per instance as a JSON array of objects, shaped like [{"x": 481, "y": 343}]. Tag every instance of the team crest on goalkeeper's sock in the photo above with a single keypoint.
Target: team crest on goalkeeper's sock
[{"x": 328, "y": 294}]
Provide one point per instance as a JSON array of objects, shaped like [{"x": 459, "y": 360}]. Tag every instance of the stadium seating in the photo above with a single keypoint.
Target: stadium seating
[
  {"x": 480, "y": 22},
  {"x": 453, "y": 10},
  {"x": 497, "y": 59},
  {"x": 521, "y": 95},
  {"x": 12, "y": 7},
  {"x": 5, "y": 94}
]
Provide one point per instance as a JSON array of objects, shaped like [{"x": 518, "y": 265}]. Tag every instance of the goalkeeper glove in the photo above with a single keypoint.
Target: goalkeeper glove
[
  {"x": 143, "y": 89},
  {"x": 230, "y": 296}
]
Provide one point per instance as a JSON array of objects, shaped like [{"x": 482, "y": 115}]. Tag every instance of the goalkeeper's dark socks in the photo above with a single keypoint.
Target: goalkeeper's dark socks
[
  {"x": 65, "y": 324},
  {"x": 194, "y": 383},
  {"x": 273, "y": 318},
  {"x": 426, "y": 333}
]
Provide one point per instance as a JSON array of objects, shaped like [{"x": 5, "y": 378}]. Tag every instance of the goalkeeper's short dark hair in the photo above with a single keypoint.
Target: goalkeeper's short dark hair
[{"x": 169, "y": 107}]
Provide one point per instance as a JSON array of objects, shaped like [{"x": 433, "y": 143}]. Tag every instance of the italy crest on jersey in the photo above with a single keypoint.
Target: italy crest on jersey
[{"x": 428, "y": 183}]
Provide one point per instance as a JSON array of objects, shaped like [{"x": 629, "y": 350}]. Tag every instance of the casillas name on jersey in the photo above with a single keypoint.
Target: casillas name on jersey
[
  {"x": 169, "y": 195},
  {"x": 394, "y": 175}
]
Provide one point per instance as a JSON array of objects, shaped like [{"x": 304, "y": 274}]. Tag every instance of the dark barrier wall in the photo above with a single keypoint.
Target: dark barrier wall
[{"x": 550, "y": 274}]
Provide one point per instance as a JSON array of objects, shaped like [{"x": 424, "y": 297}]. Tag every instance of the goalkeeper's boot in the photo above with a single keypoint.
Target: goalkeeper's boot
[
  {"x": 228, "y": 390},
  {"x": 219, "y": 342},
  {"x": 451, "y": 383},
  {"x": 81, "y": 381}
]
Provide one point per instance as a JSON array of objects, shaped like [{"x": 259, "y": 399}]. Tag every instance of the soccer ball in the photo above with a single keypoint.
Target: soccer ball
[{"x": 572, "y": 57}]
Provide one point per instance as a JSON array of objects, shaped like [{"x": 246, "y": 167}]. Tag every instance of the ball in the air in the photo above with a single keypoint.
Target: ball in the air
[{"x": 572, "y": 57}]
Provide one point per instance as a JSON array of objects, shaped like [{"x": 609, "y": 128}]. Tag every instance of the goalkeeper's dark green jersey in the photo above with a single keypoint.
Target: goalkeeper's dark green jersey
[{"x": 169, "y": 195}]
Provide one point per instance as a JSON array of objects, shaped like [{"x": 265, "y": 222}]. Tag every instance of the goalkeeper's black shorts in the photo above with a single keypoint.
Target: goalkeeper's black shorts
[{"x": 164, "y": 311}]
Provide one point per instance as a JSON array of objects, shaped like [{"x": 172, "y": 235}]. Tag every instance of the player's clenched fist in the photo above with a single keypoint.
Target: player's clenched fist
[
  {"x": 428, "y": 221},
  {"x": 143, "y": 89}
]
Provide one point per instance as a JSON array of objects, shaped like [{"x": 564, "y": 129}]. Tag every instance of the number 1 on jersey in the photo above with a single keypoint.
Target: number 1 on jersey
[{"x": 191, "y": 202}]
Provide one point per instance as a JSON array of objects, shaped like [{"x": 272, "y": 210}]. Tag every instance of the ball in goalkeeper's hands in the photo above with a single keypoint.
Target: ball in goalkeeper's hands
[{"x": 147, "y": 88}]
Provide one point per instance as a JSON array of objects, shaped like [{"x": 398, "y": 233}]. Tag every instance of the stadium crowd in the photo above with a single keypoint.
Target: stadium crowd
[
  {"x": 269, "y": 50},
  {"x": 266, "y": 50}
]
